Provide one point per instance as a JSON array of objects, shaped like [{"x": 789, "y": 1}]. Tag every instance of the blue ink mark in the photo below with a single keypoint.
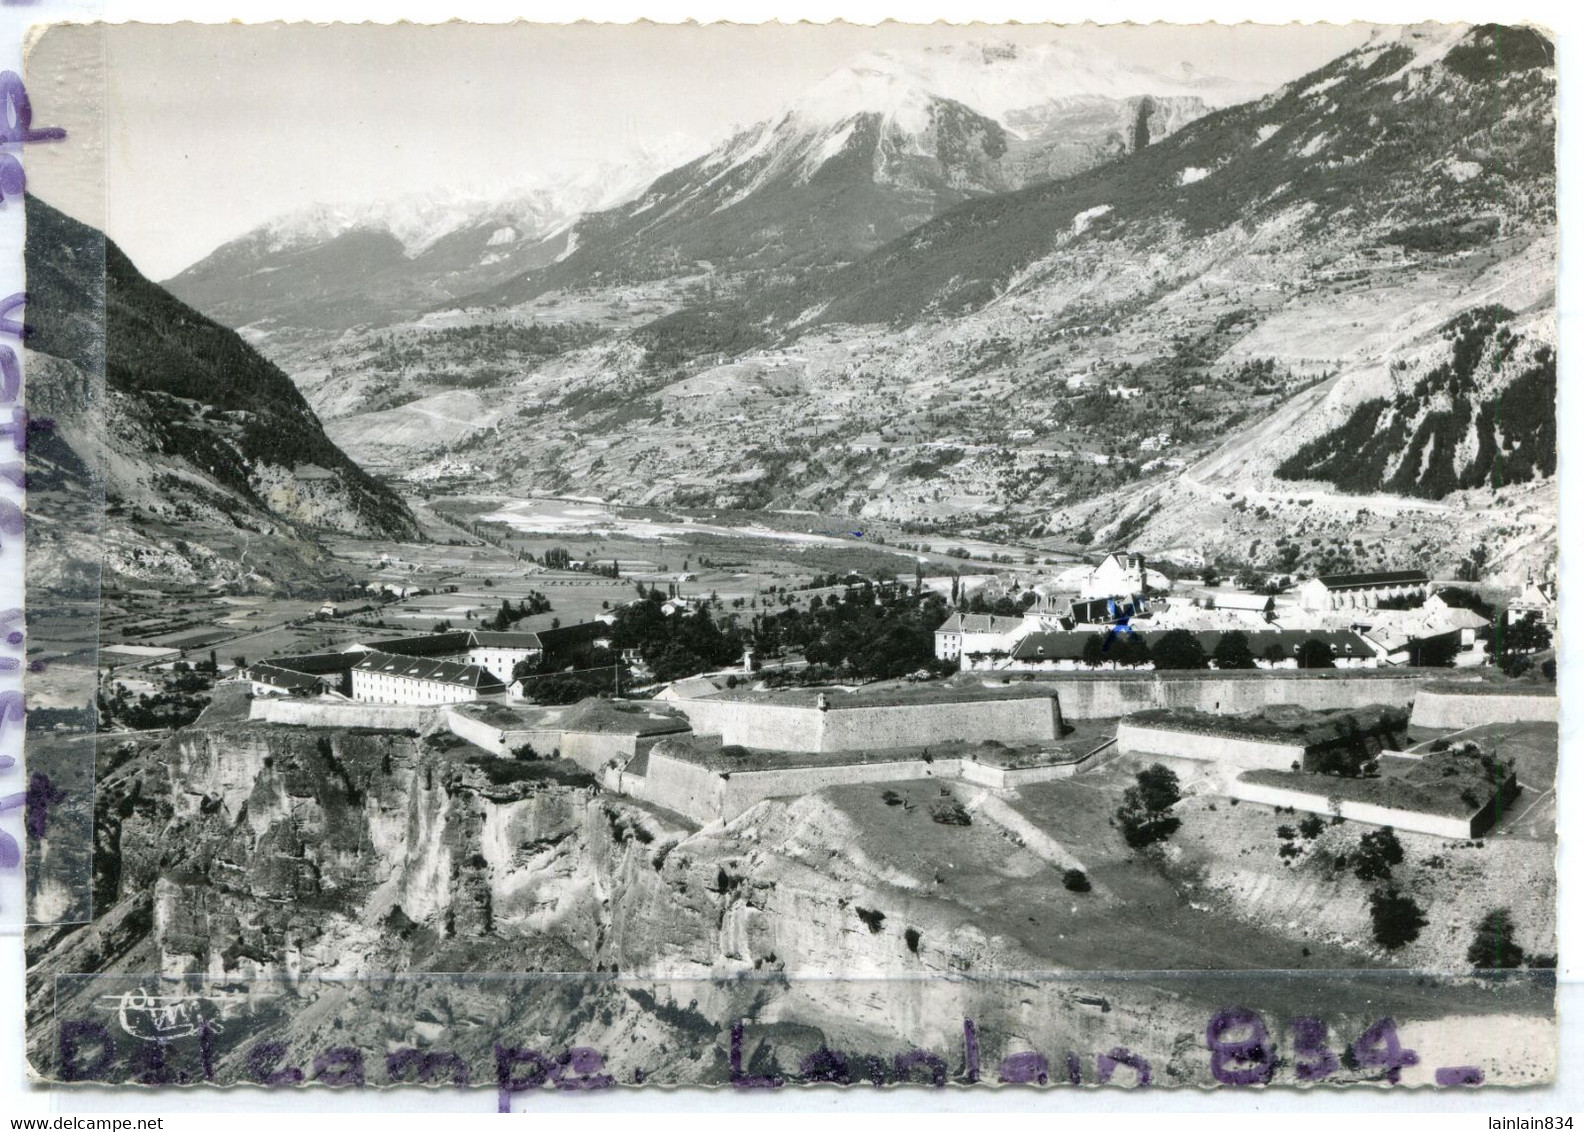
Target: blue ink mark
[
  {"x": 1378, "y": 1048},
  {"x": 1029, "y": 1068},
  {"x": 1241, "y": 1060},
  {"x": 740, "y": 1079},
  {"x": 1460, "y": 1075},
  {"x": 1309, "y": 1039},
  {"x": 1122, "y": 620},
  {"x": 1106, "y": 1064},
  {"x": 16, "y": 328},
  {"x": 16, "y": 116}
]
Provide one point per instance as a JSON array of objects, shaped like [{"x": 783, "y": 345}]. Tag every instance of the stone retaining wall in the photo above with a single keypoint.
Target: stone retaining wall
[
  {"x": 1244, "y": 754},
  {"x": 1107, "y": 697},
  {"x": 335, "y": 713},
  {"x": 1433, "y": 708},
  {"x": 1416, "y": 821}
]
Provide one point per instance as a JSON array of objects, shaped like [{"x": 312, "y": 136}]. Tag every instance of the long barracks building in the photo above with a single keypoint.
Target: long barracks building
[{"x": 434, "y": 668}]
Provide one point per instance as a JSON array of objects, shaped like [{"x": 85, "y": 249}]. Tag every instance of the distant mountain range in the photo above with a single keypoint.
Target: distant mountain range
[
  {"x": 191, "y": 431},
  {"x": 869, "y": 153},
  {"x": 336, "y": 266},
  {"x": 1214, "y": 329}
]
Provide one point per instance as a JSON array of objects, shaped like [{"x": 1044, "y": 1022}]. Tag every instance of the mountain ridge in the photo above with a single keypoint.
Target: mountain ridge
[{"x": 190, "y": 426}]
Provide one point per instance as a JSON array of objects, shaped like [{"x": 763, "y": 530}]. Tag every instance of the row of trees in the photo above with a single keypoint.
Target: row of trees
[
  {"x": 508, "y": 614},
  {"x": 1179, "y": 649}
]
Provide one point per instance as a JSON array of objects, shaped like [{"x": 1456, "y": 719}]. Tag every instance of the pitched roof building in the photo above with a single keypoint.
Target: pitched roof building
[
  {"x": 1361, "y": 591},
  {"x": 962, "y": 634},
  {"x": 384, "y": 677}
]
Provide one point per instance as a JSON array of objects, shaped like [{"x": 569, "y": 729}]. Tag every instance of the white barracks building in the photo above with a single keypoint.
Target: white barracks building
[{"x": 387, "y": 678}]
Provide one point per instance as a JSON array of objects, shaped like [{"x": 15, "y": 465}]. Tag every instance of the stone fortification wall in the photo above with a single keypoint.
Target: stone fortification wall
[
  {"x": 710, "y": 795},
  {"x": 708, "y": 715},
  {"x": 774, "y": 727},
  {"x": 594, "y": 750},
  {"x": 1106, "y": 697},
  {"x": 335, "y": 713},
  {"x": 501, "y": 740},
  {"x": 1436, "y": 708},
  {"x": 1011, "y": 721},
  {"x": 1416, "y": 821},
  {"x": 748, "y": 788},
  {"x": 1244, "y": 754},
  {"x": 682, "y": 787},
  {"x": 803, "y": 727}
]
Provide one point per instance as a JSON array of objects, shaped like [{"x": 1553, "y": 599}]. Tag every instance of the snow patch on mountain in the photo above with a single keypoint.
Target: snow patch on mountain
[
  {"x": 1192, "y": 175},
  {"x": 1087, "y": 217},
  {"x": 1430, "y": 44},
  {"x": 997, "y": 79}
]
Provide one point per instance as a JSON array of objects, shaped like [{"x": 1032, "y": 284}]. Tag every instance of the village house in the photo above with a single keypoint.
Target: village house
[
  {"x": 963, "y": 634},
  {"x": 1361, "y": 591},
  {"x": 1424, "y": 635},
  {"x": 1538, "y": 598},
  {"x": 1115, "y": 575},
  {"x": 1263, "y": 605},
  {"x": 272, "y": 680}
]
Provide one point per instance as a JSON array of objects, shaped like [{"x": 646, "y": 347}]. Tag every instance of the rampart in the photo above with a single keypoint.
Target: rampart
[
  {"x": 1476, "y": 824},
  {"x": 1444, "y": 707},
  {"x": 706, "y": 794},
  {"x": 1091, "y": 696},
  {"x": 502, "y": 740},
  {"x": 334, "y": 713},
  {"x": 1227, "y": 750},
  {"x": 766, "y": 725}
]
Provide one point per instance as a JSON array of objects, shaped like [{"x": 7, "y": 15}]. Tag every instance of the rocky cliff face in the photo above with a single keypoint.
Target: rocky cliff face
[
  {"x": 162, "y": 422},
  {"x": 382, "y": 892}
]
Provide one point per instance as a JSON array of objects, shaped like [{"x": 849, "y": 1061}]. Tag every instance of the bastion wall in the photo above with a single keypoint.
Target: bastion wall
[
  {"x": 1090, "y": 697},
  {"x": 332, "y": 713},
  {"x": 1433, "y": 708},
  {"x": 803, "y": 727},
  {"x": 1226, "y": 750},
  {"x": 1474, "y": 825}
]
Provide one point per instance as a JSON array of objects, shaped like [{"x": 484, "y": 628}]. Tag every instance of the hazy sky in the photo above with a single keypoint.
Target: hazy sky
[{"x": 214, "y": 129}]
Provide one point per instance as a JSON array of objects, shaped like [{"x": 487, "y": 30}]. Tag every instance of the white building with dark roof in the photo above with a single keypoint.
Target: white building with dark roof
[
  {"x": 1362, "y": 591},
  {"x": 267, "y": 679},
  {"x": 965, "y": 634},
  {"x": 500, "y": 653},
  {"x": 382, "y": 677}
]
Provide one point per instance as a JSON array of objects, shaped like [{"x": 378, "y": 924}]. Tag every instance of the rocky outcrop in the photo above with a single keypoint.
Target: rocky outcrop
[{"x": 382, "y": 891}]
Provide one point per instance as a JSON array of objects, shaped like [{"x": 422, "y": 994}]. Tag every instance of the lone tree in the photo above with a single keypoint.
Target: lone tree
[
  {"x": 1232, "y": 651},
  {"x": 1143, "y": 815},
  {"x": 1493, "y": 948},
  {"x": 1315, "y": 653},
  {"x": 1158, "y": 787},
  {"x": 1396, "y": 918},
  {"x": 1377, "y": 852},
  {"x": 1179, "y": 649}
]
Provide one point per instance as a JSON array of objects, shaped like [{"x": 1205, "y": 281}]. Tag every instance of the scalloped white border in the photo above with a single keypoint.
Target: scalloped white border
[{"x": 250, "y": 1109}]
